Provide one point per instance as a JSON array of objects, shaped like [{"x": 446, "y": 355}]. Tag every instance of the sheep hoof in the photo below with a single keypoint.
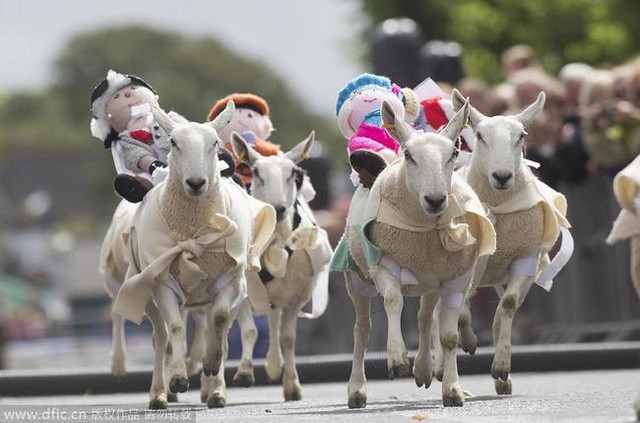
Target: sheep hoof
[
  {"x": 400, "y": 370},
  {"x": 158, "y": 403},
  {"x": 453, "y": 400},
  {"x": 358, "y": 400},
  {"x": 503, "y": 387},
  {"x": 171, "y": 397},
  {"x": 471, "y": 350},
  {"x": 468, "y": 341},
  {"x": 499, "y": 373},
  {"x": 178, "y": 384},
  {"x": 293, "y": 395},
  {"x": 243, "y": 380},
  {"x": 426, "y": 382},
  {"x": 216, "y": 401}
]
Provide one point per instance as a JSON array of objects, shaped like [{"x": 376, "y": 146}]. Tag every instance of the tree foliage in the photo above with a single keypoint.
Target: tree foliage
[{"x": 561, "y": 31}]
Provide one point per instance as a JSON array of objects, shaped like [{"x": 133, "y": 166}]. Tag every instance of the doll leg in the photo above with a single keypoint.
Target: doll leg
[{"x": 131, "y": 187}]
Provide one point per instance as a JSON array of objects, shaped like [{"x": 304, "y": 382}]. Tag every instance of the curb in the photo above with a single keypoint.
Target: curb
[{"x": 325, "y": 368}]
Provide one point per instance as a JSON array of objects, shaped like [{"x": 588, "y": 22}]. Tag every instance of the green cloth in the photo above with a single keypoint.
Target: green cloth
[{"x": 341, "y": 261}]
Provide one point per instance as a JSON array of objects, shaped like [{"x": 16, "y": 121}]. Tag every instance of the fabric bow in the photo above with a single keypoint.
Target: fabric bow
[{"x": 136, "y": 290}]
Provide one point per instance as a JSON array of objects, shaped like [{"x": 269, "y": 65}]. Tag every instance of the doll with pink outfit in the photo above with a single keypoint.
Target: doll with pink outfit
[{"x": 370, "y": 147}]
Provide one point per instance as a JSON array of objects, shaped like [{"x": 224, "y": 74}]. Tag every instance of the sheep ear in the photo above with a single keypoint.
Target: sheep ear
[
  {"x": 243, "y": 150},
  {"x": 301, "y": 151},
  {"x": 527, "y": 116},
  {"x": 457, "y": 123},
  {"x": 163, "y": 119},
  {"x": 224, "y": 118},
  {"x": 458, "y": 101},
  {"x": 394, "y": 126}
]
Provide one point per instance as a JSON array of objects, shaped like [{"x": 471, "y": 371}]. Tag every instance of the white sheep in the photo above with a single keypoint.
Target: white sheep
[
  {"x": 192, "y": 239},
  {"x": 292, "y": 263},
  {"x": 528, "y": 217},
  {"x": 626, "y": 187},
  {"x": 418, "y": 231}
]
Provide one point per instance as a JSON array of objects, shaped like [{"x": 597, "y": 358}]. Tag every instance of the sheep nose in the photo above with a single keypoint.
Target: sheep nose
[
  {"x": 280, "y": 211},
  {"x": 196, "y": 183},
  {"x": 502, "y": 178},
  {"x": 435, "y": 203}
]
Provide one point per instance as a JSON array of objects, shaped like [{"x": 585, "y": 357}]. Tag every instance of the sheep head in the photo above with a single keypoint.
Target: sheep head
[
  {"x": 193, "y": 158},
  {"x": 428, "y": 158},
  {"x": 276, "y": 178},
  {"x": 499, "y": 141}
]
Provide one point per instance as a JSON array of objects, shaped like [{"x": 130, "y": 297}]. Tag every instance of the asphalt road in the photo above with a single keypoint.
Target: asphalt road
[{"x": 582, "y": 396}]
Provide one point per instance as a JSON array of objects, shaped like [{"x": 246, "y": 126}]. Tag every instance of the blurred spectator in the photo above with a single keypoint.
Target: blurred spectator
[
  {"x": 477, "y": 92},
  {"x": 612, "y": 123},
  {"x": 516, "y": 58},
  {"x": 570, "y": 150}
]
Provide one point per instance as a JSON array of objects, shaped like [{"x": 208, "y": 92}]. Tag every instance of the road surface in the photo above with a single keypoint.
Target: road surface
[{"x": 582, "y": 396}]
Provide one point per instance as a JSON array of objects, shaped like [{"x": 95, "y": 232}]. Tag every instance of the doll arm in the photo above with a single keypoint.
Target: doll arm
[{"x": 136, "y": 155}]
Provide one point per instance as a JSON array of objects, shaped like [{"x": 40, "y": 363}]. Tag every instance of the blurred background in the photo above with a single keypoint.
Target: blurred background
[{"x": 56, "y": 196}]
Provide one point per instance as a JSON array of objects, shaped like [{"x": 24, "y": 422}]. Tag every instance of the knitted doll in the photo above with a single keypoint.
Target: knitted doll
[
  {"x": 123, "y": 120},
  {"x": 370, "y": 147},
  {"x": 252, "y": 121}
]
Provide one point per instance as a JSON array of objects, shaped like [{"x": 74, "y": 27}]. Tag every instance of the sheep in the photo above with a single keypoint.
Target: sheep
[
  {"x": 528, "y": 218},
  {"x": 292, "y": 263},
  {"x": 418, "y": 231},
  {"x": 190, "y": 243},
  {"x": 626, "y": 188}
]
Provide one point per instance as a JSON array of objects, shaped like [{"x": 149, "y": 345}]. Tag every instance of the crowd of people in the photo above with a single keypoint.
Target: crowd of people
[{"x": 591, "y": 119}]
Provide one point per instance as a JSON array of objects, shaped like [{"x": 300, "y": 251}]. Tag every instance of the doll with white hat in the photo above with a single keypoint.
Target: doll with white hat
[{"x": 123, "y": 120}]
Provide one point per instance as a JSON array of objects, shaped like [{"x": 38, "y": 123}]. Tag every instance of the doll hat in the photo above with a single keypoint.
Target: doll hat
[
  {"x": 359, "y": 82},
  {"x": 246, "y": 101},
  {"x": 102, "y": 93},
  {"x": 437, "y": 112}
]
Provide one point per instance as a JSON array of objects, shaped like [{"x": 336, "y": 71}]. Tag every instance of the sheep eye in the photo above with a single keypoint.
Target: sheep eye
[
  {"x": 407, "y": 155},
  {"x": 520, "y": 139},
  {"x": 173, "y": 143},
  {"x": 479, "y": 137},
  {"x": 256, "y": 174},
  {"x": 116, "y": 95}
]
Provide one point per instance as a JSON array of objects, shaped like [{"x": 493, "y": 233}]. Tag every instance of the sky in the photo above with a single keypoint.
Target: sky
[{"x": 307, "y": 43}]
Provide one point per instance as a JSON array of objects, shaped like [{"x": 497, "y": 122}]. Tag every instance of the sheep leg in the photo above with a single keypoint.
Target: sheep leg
[
  {"x": 514, "y": 295},
  {"x": 220, "y": 317},
  {"x": 158, "y": 392},
  {"x": 215, "y": 385},
  {"x": 199, "y": 344},
  {"x": 451, "y": 391},
  {"x": 244, "y": 376},
  {"x": 169, "y": 306},
  {"x": 273, "y": 365},
  {"x": 390, "y": 289},
  {"x": 636, "y": 405},
  {"x": 357, "y": 381},
  {"x": 468, "y": 339},
  {"x": 438, "y": 370},
  {"x": 290, "y": 380},
  {"x": 118, "y": 350},
  {"x": 635, "y": 262},
  {"x": 422, "y": 366}
]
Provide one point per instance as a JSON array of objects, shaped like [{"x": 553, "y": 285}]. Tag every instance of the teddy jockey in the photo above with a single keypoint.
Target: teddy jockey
[{"x": 123, "y": 120}]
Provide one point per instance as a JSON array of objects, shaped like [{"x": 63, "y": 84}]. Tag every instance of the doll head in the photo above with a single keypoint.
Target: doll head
[
  {"x": 112, "y": 101},
  {"x": 361, "y": 99},
  {"x": 251, "y": 115}
]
